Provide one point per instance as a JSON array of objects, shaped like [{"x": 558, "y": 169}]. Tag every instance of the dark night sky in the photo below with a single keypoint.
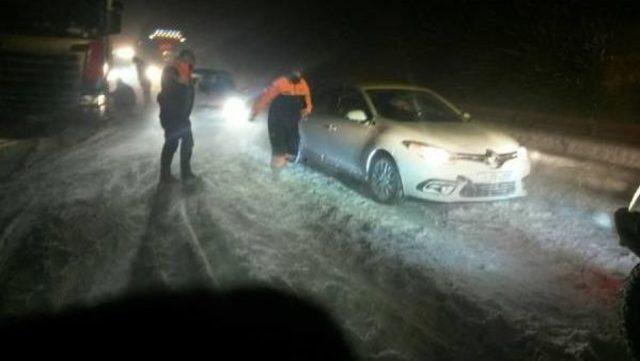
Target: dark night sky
[
  {"x": 474, "y": 44},
  {"x": 265, "y": 36}
]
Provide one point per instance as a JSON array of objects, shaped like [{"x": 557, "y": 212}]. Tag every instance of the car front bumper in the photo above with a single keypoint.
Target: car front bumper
[{"x": 463, "y": 181}]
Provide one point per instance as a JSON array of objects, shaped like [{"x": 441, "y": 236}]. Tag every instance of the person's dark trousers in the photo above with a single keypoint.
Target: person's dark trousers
[
  {"x": 293, "y": 137},
  {"x": 174, "y": 136}
]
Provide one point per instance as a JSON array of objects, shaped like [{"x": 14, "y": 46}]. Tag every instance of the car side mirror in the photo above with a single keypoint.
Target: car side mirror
[
  {"x": 357, "y": 116},
  {"x": 466, "y": 117}
]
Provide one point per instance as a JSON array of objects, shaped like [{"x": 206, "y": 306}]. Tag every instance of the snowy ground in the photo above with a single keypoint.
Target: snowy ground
[{"x": 530, "y": 279}]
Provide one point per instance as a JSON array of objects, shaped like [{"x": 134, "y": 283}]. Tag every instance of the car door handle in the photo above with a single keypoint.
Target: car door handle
[{"x": 331, "y": 127}]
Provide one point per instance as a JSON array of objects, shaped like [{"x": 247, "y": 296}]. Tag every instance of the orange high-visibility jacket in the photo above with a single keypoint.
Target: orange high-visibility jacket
[{"x": 284, "y": 86}]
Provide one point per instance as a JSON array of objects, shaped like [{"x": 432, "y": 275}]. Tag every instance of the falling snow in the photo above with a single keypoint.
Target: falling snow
[{"x": 533, "y": 278}]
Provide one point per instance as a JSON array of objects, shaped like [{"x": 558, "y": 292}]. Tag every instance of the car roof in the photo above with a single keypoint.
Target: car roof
[
  {"x": 381, "y": 86},
  {"x": 373, "y": 85},
  {"x": 365, "y": 86}
]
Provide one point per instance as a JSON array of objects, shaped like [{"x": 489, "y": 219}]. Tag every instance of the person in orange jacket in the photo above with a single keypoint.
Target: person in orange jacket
[{"x": 289, "y": 100}]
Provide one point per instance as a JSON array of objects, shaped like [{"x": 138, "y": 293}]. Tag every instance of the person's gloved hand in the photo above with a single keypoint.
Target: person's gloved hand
[{"x": 305, "y": 113}]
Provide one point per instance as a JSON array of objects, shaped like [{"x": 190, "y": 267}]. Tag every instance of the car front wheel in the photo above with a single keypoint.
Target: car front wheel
[{"x": 384, "y": 180}]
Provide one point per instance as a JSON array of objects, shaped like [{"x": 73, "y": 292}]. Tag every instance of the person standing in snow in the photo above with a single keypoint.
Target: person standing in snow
[
  {"x": 176, "y": 101},
  {"x": 145, "y": 83},
  {"x": 289, "y": 100},
  {"x": 124, "y": 97}
]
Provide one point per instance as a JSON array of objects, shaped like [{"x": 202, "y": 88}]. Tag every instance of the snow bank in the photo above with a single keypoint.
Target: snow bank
[
  {"x": 602, "y": 141},
  {"x": 575, "y": 146}
]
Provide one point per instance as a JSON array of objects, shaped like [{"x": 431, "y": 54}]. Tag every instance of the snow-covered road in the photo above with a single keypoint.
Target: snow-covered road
[{"x": 531, "y": 279}]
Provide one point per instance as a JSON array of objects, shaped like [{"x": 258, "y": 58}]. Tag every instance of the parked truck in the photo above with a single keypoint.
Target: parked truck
[{"x": 54, "y": 56}]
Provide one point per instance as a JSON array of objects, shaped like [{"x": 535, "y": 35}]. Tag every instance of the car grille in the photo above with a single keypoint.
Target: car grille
[
  {"x": 479, "y": 190},
  {"x": 492, "y": 159}
]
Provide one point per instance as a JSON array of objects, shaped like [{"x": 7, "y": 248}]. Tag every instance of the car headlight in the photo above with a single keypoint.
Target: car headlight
[
  {"x": 433, "y": 155},
  {"x": 523, "y": 153},
  {"x": 235, "y": 110}
]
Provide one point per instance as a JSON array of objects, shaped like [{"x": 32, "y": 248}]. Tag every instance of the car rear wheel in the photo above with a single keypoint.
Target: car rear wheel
[
  {"x": 384, "y": 180},
  {"x": 630, "y": 312}
]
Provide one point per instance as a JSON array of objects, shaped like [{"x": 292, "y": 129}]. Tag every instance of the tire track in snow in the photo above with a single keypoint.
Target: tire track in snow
[
  {"x": 341, "y": 274},
  {"x": 194, "y": 242},
  {"x": 170, "y": 254}
]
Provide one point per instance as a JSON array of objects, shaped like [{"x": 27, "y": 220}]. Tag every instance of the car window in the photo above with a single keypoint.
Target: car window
[
  {"x": 350, "y": 100},
  {"x": 412, "y": 106}
]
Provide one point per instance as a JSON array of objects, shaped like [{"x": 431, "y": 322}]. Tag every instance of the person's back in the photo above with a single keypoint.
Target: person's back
[
  {"x": 175, "y": 98},
  {"x": 176, "y": 101}
]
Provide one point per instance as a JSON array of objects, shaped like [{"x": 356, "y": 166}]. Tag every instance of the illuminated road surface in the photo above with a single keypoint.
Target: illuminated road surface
[{"x": 530, "y": 279}]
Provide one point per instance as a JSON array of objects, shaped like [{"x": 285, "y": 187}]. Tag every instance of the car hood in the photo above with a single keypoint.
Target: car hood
[{"x": 457, "y": 137}]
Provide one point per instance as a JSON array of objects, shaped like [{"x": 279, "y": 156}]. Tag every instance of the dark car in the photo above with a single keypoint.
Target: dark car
[{"x": 213, "y": 87}]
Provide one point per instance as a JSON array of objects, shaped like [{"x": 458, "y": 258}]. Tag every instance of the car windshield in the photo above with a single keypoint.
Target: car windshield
[{"x": 412, "y": 106}]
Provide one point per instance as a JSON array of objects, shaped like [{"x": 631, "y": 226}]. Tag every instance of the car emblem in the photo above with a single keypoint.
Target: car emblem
[{"x": 492, "y": 159}]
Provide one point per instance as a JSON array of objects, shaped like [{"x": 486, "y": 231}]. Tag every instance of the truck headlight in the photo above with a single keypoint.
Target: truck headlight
[
  {"x": 433, "y": 155},
  {"x": 126, "y": 73},
  {"x": 124, "y": 53},
  {"x": 153, "y": 73}
]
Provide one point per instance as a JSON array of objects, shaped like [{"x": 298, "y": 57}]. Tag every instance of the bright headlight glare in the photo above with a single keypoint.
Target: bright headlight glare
[
  {"x": 432, "y": 155},
  {"x": 523, "y": 153},
  {"x": 153, "y": 73},
  {"x": 125, "y": 73},
  {"x": 235, "y": 109},
  {"x": 113, "y": 75},
  {"x": 124, "y": 53}
]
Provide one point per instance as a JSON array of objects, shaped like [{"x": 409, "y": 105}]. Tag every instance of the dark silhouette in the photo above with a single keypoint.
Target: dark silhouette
[
  {"x": 176, "y": 102},
  {"x": 145, "y": 83},
  {"x": 124, "y": 97},
  {"x": 628, "y": 226},
  {"x": 256, "y": 324}
]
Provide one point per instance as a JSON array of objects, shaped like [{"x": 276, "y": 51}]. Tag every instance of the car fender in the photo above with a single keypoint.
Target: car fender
[{"x": 383, "y": 143}]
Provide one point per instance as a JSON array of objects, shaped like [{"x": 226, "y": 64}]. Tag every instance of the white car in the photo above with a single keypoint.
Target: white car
[{"x": 409, "y": 141}]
